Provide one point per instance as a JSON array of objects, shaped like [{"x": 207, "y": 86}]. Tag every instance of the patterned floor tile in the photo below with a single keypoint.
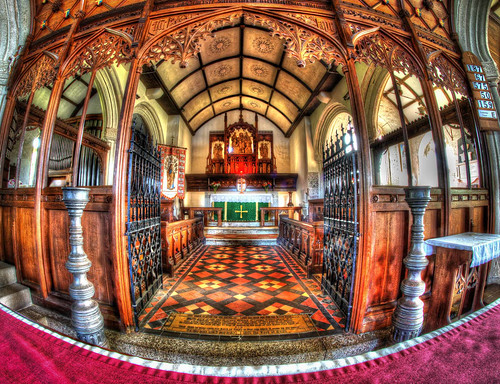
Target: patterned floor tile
[{"x": 242, "y": 280}]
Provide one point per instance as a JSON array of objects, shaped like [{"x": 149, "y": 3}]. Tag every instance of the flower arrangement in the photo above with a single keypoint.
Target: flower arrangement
[
  {"x": 215, "y": 185},
  {"x": 266, "y": 185}
]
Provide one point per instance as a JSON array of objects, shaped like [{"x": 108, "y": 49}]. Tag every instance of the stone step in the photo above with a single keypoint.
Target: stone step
[
  {"x": 7, "y": 274},
  {"x": 15, "y": 296}
]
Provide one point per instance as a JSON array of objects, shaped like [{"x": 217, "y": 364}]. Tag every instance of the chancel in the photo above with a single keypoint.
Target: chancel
[{"x": 245, "y": 189}]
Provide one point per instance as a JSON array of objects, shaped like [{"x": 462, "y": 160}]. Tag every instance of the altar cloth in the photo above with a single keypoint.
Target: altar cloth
[{"x": 484, "y": 246}]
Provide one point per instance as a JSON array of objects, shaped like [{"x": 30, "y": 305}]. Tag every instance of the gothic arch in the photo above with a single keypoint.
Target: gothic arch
[
  {"x": 321, "y": 47},
  {"x": 110, "y": 94},
  {"x": 372, "y": 90},
  {"x": 151, "y": 119},
  {"x": 325, "y": 121}
]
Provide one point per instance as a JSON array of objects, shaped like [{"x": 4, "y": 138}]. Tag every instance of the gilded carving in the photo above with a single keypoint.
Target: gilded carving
[
  {"x": 222, "y": 91},
  {"x": 257, "y": 90},
  {"x": 301, "y": 44}
]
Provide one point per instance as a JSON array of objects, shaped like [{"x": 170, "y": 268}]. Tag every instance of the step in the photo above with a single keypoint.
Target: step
[
  {"x": 247, "y": 224},
  {"x": 240, "y": 242},
  {"x": 15, "y": 296},
  {"x": 7, "y": 274},
  {"x": 241, "y": 230}
]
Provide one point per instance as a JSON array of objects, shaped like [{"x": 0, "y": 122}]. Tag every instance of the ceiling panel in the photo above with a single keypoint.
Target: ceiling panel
[
  {"x": 258, "y": 90},
  {"x": 259, "y": 70},
  {"x": 260, "y": 44},
  {"x": 277, "y": 118},
  {"x": 201, "y": 118},
  {"x": 226, "y": 104},
  {"x": 292, "y": 88},
  {"x": 188, "y": 88},
  {"x": 254, "y": 105},
  {"x": 197, "y": 104},
  {"x": 225, "y": 89},
  {"x": 311, "y": 74},
  {"x": 284, "y": 105},
  {"x": 223, "y": 70},
  {"x": 171, "y": 74},
  {"x": 225, "y": 43}
]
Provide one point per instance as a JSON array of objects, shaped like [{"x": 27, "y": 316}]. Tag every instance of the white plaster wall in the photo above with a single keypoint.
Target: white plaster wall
[{"x": 298, "y": 162}]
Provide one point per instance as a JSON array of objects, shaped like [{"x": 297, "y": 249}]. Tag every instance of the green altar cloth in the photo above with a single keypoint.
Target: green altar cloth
[{"x": 240, "y": 211}]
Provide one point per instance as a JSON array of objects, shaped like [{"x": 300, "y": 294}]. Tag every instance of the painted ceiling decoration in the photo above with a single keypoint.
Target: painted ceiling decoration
[{"x": 245, "y": 67}]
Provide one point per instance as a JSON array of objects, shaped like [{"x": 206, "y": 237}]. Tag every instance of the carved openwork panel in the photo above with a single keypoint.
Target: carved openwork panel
[
  {"x": 105, "y": 49},
  {"x": 40, "y": 74},
  {"x": 381, "y": 50},
  {"x": 445, "y": 74}
]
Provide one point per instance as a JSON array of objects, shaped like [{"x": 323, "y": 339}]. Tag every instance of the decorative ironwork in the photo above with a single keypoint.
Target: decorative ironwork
[
  {"x": 143, "y": 224},
  {"x": 85, "y": 314},
  {"x": 340, "y": 169},
  {"x": 409, "y": 314}
]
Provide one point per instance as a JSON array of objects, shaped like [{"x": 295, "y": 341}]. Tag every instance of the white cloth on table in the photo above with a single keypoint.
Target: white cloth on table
[{"x": 484, "y": 246}]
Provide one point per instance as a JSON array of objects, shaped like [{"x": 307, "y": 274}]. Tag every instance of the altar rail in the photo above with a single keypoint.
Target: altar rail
[
  {"x": 276, "y": 212},
  {"x": 207, "y": 212},
  {"x": 178, "y": 240},
  {"x": 304, "y": 242}
]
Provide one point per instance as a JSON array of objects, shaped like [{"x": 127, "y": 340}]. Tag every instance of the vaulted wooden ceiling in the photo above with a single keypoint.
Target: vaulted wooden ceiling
[{"x": 244, "y": 67}]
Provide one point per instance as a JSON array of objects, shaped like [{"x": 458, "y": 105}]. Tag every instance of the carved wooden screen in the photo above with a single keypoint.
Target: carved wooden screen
[
  {"x": 143, "y": 224},
  {"x": 341, "y": 218}
]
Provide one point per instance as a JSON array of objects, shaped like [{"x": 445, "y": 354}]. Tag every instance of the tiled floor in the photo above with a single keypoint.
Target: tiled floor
[{"x": 242, "y": 280}]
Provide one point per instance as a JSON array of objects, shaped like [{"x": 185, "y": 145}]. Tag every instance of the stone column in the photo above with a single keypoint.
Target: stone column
[
  {"x": 409, "y": 314},
  {"x": 85, "y": 314}
]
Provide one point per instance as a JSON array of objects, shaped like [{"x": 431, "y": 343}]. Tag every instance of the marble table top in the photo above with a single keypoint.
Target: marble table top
[{"x": 484, "y": 246}]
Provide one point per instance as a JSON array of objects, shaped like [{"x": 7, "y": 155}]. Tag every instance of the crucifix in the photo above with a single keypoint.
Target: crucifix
[{"x": 241, "y": 211}]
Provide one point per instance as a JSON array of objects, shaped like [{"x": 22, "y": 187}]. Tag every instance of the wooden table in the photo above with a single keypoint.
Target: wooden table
[
  {"x": 461, "y": 268},
  {"x": 205, "y": 211},
  {"x": 277, "y": 211}
]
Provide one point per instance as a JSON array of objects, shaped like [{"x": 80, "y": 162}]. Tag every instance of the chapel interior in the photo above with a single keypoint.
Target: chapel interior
[{"x": 248, "y": 171}]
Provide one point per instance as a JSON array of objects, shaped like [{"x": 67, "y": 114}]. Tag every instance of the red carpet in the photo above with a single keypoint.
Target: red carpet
[{"x": 468, "y": 353}]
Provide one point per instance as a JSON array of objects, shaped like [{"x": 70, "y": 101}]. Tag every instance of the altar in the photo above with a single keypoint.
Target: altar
[{"x": 241, "y": 207}]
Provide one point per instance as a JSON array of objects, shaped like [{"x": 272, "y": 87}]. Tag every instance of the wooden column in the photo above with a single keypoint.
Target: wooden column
[
  {"x": 119, "y": 216},
  {"x": 360, "y": 283}
]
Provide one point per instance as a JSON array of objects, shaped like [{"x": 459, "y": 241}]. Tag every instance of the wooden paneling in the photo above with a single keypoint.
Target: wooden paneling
[
  {"x": 7, "y": 235},
  {"x": 26, "y": 245},
  {"x": 388, "y": 253},
  {"x": 459, "y": 221}
]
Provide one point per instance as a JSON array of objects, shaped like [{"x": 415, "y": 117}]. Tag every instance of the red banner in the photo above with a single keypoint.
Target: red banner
[{"x": 173, "y": 167}]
